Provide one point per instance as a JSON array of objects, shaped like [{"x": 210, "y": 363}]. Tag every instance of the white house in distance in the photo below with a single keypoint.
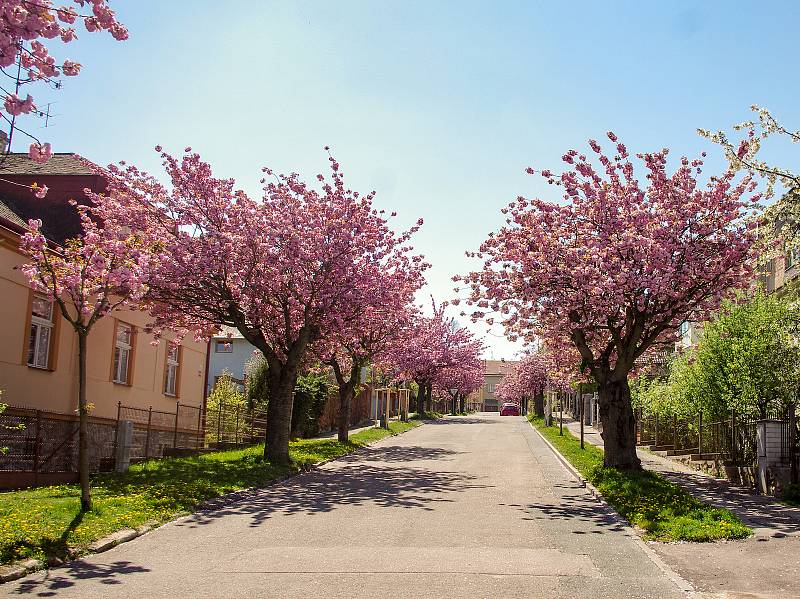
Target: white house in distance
[{"x": 229, "y": 352}]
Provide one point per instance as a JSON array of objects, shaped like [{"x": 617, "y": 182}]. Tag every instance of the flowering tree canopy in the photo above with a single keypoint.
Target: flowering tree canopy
[
  {"x": 465, "y": 372},
  {"x": 528, "y": 378},
  {"x": 25, "y": 27},
  {"x": 615, "y": 268},
  {"x": 286, "y": 271},
  {"x": 431, "y": 352},
  {"x": 378, "y": 317},
  {"x": 743, "y": 154},
  {"x": 104, "y": 268}
]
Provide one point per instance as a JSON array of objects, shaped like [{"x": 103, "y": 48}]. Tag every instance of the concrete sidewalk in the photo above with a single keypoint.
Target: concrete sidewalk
[{"x": 470, "y": 506}]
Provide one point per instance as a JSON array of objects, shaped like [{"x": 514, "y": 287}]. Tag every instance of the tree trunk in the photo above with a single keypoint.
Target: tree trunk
[
  {"x": 461, "y": 409},
  {"x": 282, "y": 380},
  {"x": 83, "y": 427},
  {"x": 429, "y": 397},
  {"x": 346, "y": 393},
  {"x": 345, "y": 397},
  {"x": 619, "y": 426},
  {"x": 538, "y": 404}
]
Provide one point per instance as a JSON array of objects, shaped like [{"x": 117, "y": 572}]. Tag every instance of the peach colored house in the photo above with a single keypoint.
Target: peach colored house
[
  {"x": 494, "y": 371},
  {"x": 38, "y": 349}
]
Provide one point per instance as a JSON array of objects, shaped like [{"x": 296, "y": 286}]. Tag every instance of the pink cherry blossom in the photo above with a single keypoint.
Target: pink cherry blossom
[
  {"x": 102, "y": 269},
  {"x": 614, "y": 268},
  {"x": 300, "y": 268},
  {"x": 16, "y": 106},
  {"x": 438, "y": 355},
  {"x": 40, "y": 191},
  {"x": 40, "y": 152},
  {"x": 24, "y": 24}
]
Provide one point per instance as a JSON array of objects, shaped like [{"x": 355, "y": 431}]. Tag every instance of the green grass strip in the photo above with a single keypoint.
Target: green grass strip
[
  {"x": 46, "y": 522},
  {"x": 665, "y": 511}
]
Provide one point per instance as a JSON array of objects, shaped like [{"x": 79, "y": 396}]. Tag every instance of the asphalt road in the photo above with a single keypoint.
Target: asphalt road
[{"x": 464, "y": 507}]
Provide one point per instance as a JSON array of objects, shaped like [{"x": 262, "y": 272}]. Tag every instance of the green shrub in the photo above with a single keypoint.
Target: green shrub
[
  {"x": 427, "y": 415},
  {"x": 310, "y": 395},
  {"x": 791, "y": 494}
]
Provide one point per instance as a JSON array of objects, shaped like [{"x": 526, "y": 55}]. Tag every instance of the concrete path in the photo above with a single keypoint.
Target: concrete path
[{"x": 464, "y": 507}]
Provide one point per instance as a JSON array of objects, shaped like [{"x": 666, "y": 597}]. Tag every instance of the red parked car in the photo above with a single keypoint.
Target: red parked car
[{"x": 509, "y": 409}]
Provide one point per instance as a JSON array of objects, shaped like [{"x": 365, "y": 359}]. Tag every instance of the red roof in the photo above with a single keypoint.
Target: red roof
[{"x": 65, "y": 175}]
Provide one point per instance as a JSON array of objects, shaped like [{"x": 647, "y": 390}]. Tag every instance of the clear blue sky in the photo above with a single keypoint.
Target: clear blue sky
[{"x": 439, "y": 106}]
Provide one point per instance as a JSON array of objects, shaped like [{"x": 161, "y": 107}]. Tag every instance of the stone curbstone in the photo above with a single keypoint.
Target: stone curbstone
[{"x": 19, "y": 569}]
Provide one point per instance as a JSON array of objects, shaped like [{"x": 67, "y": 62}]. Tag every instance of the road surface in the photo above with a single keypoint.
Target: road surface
[{"x": 472, "y": 506}]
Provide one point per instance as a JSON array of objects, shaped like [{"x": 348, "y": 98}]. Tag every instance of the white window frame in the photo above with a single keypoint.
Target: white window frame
[
  {"x": 172, "y": 369},
  {"x": 119, "y": 348},
  {"x": 38, "y": 326}
]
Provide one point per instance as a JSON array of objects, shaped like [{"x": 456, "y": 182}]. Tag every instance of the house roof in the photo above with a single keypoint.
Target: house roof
[
  {"x": 63, "y": 163},
  {"x": 498, "y": 366},
  {"x": 9, "y": 215},
  {"x": 66, "y": 175}
]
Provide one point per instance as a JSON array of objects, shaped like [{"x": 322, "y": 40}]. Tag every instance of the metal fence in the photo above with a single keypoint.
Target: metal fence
[
  {"x": 42, "y": 446},
  {"x": 733, "y": 440},
  {"x": 234, "y": 425}
]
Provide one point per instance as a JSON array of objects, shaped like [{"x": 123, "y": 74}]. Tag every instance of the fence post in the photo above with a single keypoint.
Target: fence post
[
  {"x": 793, "y": 449},
  {"x": 655, "y": 427},
  {"x": 219, "y": 422},
  {"x": 236, "y": 434},
  {"x": 175, "y": 431},
  {"x": 116, "y": 426},
  {"x": 700, "y": 433},
  {"x": 147, "y": 436},
  {"x": 36, "y": 446},
  {"x": 674, "y": 432}
]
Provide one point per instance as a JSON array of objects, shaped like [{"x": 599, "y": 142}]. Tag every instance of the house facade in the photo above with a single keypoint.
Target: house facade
[
  {"x": 39, "y": 350},
  {"x": 228, "y": 352},
  {"x": 493, "y": 371}
]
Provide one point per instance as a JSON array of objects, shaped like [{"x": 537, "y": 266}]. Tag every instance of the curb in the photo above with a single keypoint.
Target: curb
[
  {"x": 20, "y": 569},
  {"x": 676, "y": 579},
  {"x": 17, "y": 570}
]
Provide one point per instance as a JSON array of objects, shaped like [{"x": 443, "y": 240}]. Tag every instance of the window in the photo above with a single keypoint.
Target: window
[
  {"x": 684, "y": 328},
  {"x": 172, "y": 370},
  {"x": 123, "y": 346},
  {"x": 41, "y": 332},
  {"x": 223, "y": 347},
  {"x": 490, "y": 387},
  {"x": 792, "y": 258}
]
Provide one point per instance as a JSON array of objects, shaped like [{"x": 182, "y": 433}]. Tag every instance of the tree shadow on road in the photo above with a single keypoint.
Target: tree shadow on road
[
  {"x": 578, "y": 508},
  {"x": 64, "y": 578},
  {"x": 352, "y": 482},
  {"x": 399, "y": 453},
  {"x": 461, "y": 420}
]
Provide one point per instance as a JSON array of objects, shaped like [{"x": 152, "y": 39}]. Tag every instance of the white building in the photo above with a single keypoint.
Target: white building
[{"x": 229, "y": 352}]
